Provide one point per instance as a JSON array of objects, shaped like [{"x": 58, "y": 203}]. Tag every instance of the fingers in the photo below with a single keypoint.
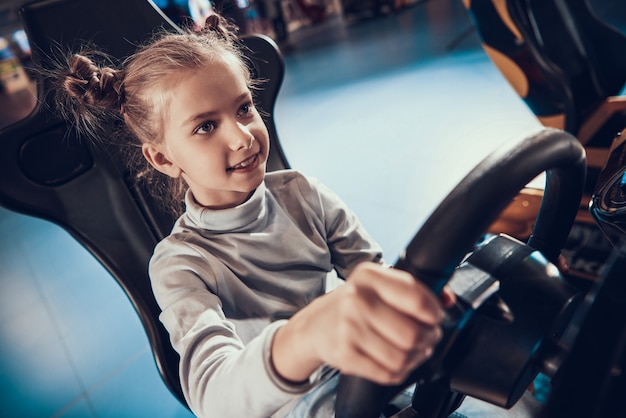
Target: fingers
[
  {"x": 562, "y": 264},
  {"x": 361, "y": 365},
  {"x": 400, "y": 290},
  {"x": 388, "y": 357},
  {"x": 447, "y": 297},
  {"x": 394, "y": 327},
  {"x": 394, "y": 363}
]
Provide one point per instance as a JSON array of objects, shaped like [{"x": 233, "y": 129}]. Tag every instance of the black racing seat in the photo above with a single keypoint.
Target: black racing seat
[
  {"x": 569, "y": 68},
  {"x": 49, "y": 172},
  {"x": 565, "y": 63}
]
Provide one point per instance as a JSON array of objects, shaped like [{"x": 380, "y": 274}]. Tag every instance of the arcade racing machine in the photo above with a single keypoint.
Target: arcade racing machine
[{"x": 516, "y": 316}]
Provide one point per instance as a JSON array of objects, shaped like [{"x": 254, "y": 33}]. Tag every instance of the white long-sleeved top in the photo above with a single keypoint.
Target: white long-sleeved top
[{"x": 226, "y": 279}]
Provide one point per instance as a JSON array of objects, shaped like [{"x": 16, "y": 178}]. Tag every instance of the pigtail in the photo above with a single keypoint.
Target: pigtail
[
  {"x": 92, "y": 86},
  {"x": 221, "y": 27},
  {"x": 90, "y": 96}
]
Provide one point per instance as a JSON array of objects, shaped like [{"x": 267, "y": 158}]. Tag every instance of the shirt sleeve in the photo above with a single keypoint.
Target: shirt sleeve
[
  {"x": 348, "y": 241},
  {"x": 220, "y": 375}
]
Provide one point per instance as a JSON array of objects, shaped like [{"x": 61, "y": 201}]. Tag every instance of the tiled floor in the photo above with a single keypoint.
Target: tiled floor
[{"x": 384, "y": 111}]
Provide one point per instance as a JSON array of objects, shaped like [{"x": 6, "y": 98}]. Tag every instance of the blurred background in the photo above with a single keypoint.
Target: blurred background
[{"x": 390, "y": 103}]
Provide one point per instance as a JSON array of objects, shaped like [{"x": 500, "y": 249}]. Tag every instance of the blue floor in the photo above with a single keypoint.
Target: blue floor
[{"x": 383, "y": 111}]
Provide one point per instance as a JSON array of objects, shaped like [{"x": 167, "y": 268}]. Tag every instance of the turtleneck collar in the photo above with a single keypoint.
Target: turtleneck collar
[{"x": 231, "y": 219}]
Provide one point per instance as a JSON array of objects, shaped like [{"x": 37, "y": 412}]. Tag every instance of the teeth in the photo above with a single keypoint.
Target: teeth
[{"x": 246, "y": 163}]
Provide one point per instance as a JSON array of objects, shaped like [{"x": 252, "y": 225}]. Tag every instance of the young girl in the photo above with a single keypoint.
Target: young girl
[{"x": 242, "y": 278}]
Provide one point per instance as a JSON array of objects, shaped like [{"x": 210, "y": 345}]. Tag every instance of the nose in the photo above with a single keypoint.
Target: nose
[{"x": 240, "y": 137}]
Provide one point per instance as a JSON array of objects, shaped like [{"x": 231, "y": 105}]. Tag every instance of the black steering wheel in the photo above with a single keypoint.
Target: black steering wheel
[{"x": 462, "y": 217}]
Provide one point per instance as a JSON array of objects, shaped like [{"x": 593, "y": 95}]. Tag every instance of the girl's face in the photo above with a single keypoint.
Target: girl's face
[{"x": 214, "y": 137}]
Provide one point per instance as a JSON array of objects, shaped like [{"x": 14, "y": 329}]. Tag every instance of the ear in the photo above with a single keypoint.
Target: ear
[{"x": 160, "y": 160}]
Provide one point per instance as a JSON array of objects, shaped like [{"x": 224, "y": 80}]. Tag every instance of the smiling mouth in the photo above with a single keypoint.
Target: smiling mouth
[{"x": 245, "y": 164}]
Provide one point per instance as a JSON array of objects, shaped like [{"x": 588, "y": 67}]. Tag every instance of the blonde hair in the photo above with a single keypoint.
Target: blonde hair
[{"x": 94, "y": 96}]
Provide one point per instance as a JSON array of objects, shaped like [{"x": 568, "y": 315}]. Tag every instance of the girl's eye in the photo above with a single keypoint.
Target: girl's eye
[
  {"x": 245, "y": 109},
  {"x": 205, "y": 128}
]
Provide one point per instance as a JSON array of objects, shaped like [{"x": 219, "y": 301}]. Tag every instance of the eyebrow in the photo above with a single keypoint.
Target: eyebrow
[{"x": 206, "y": 115}]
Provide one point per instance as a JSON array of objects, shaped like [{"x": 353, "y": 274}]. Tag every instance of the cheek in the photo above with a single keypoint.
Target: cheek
[
  {"x": 210, "y": 159},
  {"x": 260, "y": 132},
  {"x": 192, "y": 158}
]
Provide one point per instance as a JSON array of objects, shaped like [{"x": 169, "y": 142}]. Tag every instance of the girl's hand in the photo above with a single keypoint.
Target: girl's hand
[
  {"x": 380, "y": 325},
  {"x": 562, "y": 264}
]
